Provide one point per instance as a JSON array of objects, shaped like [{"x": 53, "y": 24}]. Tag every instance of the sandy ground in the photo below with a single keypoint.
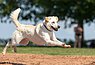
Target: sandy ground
[{"x": 35, "y": 59}]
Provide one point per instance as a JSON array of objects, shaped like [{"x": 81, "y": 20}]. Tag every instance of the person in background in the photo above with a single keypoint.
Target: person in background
[{"x": 78, "y": 36}]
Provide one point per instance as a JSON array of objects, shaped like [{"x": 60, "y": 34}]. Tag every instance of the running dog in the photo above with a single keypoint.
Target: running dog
[{"x": 40, "y": 34}]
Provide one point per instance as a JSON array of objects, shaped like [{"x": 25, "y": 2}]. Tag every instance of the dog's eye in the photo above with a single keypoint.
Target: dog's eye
[{"x": 53, "y": 22}]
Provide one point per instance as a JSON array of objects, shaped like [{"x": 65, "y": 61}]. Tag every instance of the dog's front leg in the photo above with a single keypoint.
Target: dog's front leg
[
  {"x": 51, "y": 40},
  {"x": 57, "y": 43},
  {"x": 63, "y": 44},
  {"x": 54, "y": 43},
  {"x": 53, "y": 37}
]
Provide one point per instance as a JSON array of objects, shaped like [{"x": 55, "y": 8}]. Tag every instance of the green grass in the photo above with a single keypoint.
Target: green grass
[{"x": 54, "y": 50}]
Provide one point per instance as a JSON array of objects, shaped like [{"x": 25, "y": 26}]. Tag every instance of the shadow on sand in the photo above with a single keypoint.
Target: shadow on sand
[{"x": 13, "y": 63}]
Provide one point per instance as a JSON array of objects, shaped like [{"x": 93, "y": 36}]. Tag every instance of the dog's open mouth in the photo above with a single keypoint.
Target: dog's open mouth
[{"x": 56, "y": 29}]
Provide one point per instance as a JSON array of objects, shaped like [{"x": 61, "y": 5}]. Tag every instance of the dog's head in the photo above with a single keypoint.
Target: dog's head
[{"x": 51, "y": 23}]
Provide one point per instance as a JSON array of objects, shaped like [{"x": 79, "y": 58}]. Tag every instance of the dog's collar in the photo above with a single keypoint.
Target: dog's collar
[{"x": 47, "y": 28}]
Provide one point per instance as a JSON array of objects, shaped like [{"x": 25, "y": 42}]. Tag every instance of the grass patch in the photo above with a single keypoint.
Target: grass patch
[{"x": 54, "y": 50}]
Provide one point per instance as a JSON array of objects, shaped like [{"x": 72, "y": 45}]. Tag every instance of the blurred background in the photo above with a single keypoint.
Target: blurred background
[{"x": 71, "y": 14}]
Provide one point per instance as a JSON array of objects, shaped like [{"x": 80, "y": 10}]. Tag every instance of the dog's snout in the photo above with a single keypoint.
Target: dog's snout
[{"x": 58, "y": 26}]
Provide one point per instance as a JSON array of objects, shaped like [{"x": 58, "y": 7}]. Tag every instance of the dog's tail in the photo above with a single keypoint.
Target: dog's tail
[{"x": 14, "y": 17}]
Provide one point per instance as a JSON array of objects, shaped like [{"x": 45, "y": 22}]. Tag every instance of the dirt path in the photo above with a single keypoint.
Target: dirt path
[{"x": 34, "y": 59}]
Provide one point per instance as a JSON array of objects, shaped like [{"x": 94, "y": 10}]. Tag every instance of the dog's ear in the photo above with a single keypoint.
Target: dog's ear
[
  {"x": 46, "y": 19},
  {"x": 57, "y": 18}
]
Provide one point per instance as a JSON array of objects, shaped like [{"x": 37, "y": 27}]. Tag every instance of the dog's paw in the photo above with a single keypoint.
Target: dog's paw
[
  {"x": 3, "y": 53},
  {"x": 67, "y": 46}
]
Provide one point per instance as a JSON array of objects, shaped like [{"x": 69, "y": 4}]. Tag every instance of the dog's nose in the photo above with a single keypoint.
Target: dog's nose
[{"x": 58, "y": 26}]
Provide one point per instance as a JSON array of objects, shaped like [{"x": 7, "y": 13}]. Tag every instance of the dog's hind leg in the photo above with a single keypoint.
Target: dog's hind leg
[
  {"x": 14, "y": 48},
  {"x": 5, "y": 48}
]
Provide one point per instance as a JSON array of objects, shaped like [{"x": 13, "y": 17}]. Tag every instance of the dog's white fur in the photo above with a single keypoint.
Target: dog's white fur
[{"x": 39, "y": 34}]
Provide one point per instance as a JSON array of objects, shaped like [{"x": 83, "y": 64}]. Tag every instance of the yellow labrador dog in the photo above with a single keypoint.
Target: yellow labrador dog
[{"x": 40, "y": 34}]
